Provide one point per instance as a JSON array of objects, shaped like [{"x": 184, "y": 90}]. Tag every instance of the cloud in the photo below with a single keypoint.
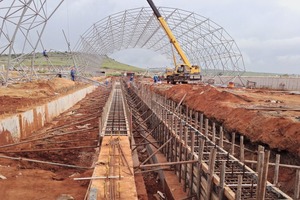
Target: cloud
[
  {"x": 142, "y": 58},
  {"x": 290, "y": 60},
  {"x": 265, "y": 31},
  {"x": 273, "y": 55},
  {"x": 293, "y": 5}
]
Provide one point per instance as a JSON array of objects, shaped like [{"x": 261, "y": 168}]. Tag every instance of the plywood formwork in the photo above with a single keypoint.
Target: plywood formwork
[{"x": 111, "y": 164}]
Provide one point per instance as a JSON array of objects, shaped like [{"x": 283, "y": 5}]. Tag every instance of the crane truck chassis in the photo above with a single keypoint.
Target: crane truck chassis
[{"x": 182, "y": 75}]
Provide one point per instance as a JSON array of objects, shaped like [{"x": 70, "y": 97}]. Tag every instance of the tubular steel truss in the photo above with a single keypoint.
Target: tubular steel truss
[
  {"x": 22, "y": 24},
  {"x": 204, "y": 42}
]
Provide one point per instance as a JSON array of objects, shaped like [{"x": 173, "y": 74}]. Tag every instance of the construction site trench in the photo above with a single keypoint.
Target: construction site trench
[{"x": 135, "y": 140}]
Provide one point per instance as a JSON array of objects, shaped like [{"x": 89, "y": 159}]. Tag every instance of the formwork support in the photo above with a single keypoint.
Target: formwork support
[
  {"x": 276, "y": 171},
  {"x": 203, "y": 178},
  {"x": 297, "y": 185}
]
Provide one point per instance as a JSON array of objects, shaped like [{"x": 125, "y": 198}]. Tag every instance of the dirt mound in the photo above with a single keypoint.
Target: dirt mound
[
  {"x": 278, "y": 129},
  {"x": 19, "y": 96},
  {"x": 59, "y": 84}
]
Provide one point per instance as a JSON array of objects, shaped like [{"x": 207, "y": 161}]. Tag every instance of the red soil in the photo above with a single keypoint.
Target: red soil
[
  {"x": 278, "y": 129},
  {"x": 21, "y": 96},
  {"x": 30, "y": 180}
]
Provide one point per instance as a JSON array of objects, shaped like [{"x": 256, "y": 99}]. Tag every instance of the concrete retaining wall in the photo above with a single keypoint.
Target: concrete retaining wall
[
  {"x": 21, "y": 125},
  {"x": 281, "y": 83}
]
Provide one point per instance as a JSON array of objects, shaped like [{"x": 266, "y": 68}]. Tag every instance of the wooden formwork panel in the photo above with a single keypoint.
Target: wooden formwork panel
[
  {"x": 172, "y": 185},
  {"x": 124, "y": 187}
]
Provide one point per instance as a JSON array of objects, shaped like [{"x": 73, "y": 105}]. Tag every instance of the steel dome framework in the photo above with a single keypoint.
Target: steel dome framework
[
  {"x": 22, "y": 24},
  {"x": 204, "y": 42}
]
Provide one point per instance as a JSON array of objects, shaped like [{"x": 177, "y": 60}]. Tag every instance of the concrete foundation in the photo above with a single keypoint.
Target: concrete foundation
[{"x": 21, "y": 125}]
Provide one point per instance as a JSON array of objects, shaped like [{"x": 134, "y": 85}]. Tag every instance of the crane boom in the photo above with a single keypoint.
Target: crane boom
[
  {"x": 185, "y": 72},
  {"x": 169, "y": 33}
]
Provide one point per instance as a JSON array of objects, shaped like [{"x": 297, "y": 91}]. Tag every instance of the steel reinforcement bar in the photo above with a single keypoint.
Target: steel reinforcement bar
[
  {"x": 215, "y": 173},
  {"x": 113, "y": 176},
  {"x": 115, "y": 116}
]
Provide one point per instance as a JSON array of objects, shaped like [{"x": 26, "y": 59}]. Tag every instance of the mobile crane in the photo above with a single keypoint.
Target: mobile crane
[{"x": 182, "y": 72}]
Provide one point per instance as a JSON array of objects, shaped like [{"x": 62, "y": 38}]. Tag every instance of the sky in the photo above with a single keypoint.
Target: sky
[{"x": 266, "y": 31}]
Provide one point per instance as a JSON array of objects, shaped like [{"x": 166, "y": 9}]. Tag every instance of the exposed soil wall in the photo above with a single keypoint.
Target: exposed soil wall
[{"x": 280, "y": 129}]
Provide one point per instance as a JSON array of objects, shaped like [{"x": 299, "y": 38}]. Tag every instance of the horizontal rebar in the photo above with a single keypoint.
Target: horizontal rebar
[
  {"x": 51, "y": 149},
  {"x": 168, "y": 163},
  {"x": 43, "y": 162}
]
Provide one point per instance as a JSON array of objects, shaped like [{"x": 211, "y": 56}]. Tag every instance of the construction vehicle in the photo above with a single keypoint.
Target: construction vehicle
[{"x": 183, "y": 72}]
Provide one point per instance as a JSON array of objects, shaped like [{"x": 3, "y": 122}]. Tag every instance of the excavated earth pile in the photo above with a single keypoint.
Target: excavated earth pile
[
  {"x": 268, "y": 117},
  {"x": 19, "y": 97}
]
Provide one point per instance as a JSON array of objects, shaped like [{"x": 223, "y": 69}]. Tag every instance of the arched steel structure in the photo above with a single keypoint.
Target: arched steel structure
[
  {"x": 22, "y": 24},
  {"x": 205, "y": 43}
]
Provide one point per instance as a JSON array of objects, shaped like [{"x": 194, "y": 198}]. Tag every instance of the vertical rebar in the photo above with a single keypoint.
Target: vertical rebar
[
  {"x": 206, "y": 127},
  {"x": 259, "y": 166},
  {"x": 213, "y": 132},
  {"x": 187, "y": 114},
  {"x": 191, "y": 169},
  {"x": 222, "y": 179},
  {"x": 276, "y": 171},
  {"x": 221, "y": 137},
  {"x": 192, "y": 142},
  {"x": 196, "y": 124},
  {"x": 185, "y": 157},
  {"x": 180, "y": 159},
  {"x": 201, "y": 122},
  {"x": 211, "y": 167},
  {"x": 265, "y": 175},
  {"x": 242, "y": 150},
  {"x": 238, "y": 195},
  {"x": 191, "y": 117},
  {"x": 297, "y": 185},
  {"x": 232, "y": 143},
  {"x": 200, "y": 158}
]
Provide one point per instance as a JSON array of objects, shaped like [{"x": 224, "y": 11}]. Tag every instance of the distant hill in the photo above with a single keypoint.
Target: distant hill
[
  {"x": 64, "y": 59},
  {"x": 56, "y": 58},
  {"x": 247, "y": 73},
  {"x": 112, "y": 64}
]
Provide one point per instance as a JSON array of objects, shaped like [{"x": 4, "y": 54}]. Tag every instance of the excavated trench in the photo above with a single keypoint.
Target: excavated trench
[
  {"x": 190, "y": 132},
  {"x": 287, "y": 176},
  {"x": 43, "y": 165},
  {"x": 181, "y": 154}
]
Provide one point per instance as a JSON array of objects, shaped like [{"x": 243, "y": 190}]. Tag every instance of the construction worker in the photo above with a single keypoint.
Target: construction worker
[
  {"x": 45, "y": 53},
  {"x": 155, "y": 78},
  {"x": 73, "y": 72}
]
